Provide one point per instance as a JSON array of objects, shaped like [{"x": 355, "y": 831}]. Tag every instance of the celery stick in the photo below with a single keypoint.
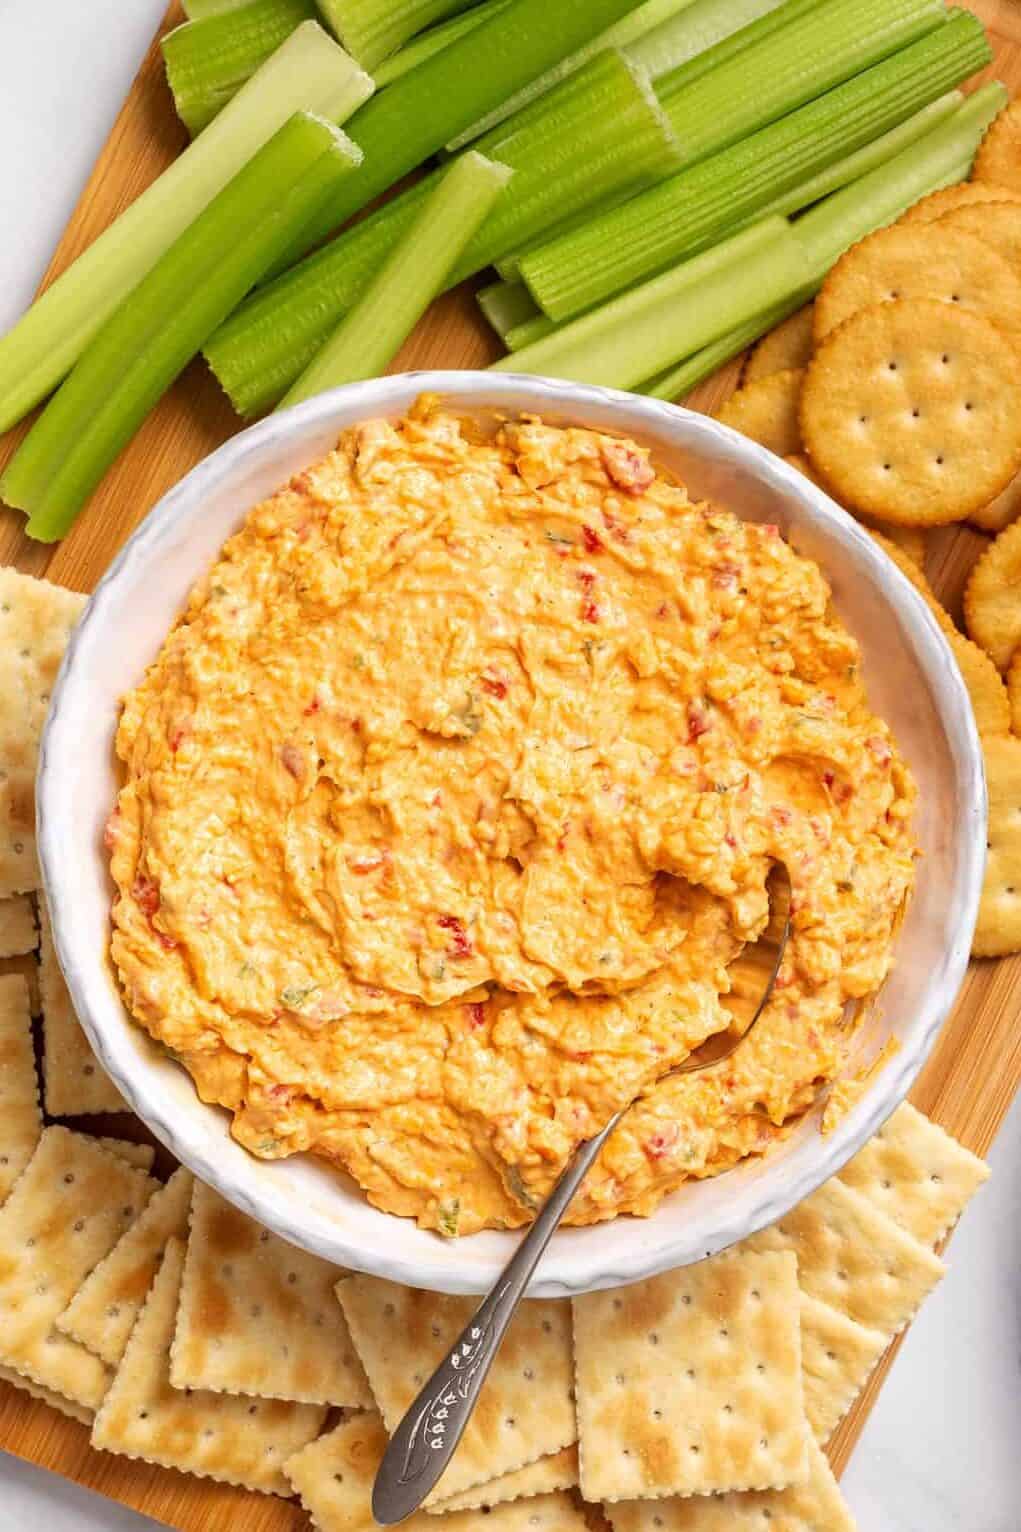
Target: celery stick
[
  {"x": 939, "y": 159},
  {"x": 599, "y": 133},
  {"x": 424, "y": 109},
  {"x": 373, "y": 29},
  {"x": 730, "y": 42},
  {"x": 528, "y": 332},
  {"x": 645, "y": 330},
  {"x": 680, "y": 380},
  {"x": 370, "y": 335},
  {"x": 698, "y": 28},
  {"x": 198, "y": 10},
  {"x": 208, "y": 61},
  {"x": 629, "y": 29},
  {"x": 426, "y": 44},
  {"x": 161, "y": 324},
  {"x": 832, "y": 42},
  {"x": 858, "y": 164},
  {"x": 308, "y": 72},
  {"x": 506, "y": 304},
  {"x": 690, "y": 211}
]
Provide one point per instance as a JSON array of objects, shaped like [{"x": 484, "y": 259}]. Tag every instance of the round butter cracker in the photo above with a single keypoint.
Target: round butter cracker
[
  {"x": 992, "y": 598},
  {"x": 938, "y": 203},
  {"x": 999, "y": 914},
  {"x": 1014, "y": 691},
  {"x": 983, "y": 681},
  {"x": 910, "y": 540},
  {"x": 766, "y": 411},
  {"x": 999, "y": 513},
  {"x": 998, "y": 161},
  {"x": 911, "y": 412},
  {"x": 788, "y": 345},
  {"x": 997, "y": 224},
  {"x": 907, "y": 262}
]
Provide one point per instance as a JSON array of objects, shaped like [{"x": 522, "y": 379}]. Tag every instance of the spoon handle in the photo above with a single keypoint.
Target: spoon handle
[{"x": 426, "y": 1438}]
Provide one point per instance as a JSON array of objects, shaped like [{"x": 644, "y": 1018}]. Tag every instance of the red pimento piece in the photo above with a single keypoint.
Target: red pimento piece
[
  {"x": 460, "y": 944},
  {"x": 476, "y": 1013},
  {"x": 168, "y": 943},
  {"x": 313, "y": 707},
  {"x": 626, "y": 467},
  {"x": 495, "y": 685},
  {"x": 662, "y": 610},
  {"x": 179, "y": 732},
  {"x": 281, "y": 1092},
  {"x": 828, "y": 779},
  {"x": 781, "y": 815},
  {"x": 146, "y": 894},
  {"x": 698, "y": 722},
  {"x": 593, "y": 543},
  {"x": 662, "y": 1141}
]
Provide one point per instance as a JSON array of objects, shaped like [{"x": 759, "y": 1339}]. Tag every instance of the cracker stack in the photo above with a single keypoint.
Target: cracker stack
[{"x": 899, "y": 393}]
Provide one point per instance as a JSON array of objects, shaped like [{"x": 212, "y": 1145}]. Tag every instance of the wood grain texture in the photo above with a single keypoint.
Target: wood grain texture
[{"x": 976, "y": 1066}]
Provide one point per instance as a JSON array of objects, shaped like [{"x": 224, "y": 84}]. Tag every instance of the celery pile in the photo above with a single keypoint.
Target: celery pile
[
  {"x": 161, "y": 325},
  {"x": 308, "y": 73},
  {"x": 701, "y": 204},
  {"x": 369, "y": 337},
  {"x": 209, "y": 60},
  {"x": 598, "y": 134}
]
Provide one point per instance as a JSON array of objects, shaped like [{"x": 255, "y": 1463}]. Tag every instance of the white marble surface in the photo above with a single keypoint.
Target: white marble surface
[{"x": 942, "y": 1450}]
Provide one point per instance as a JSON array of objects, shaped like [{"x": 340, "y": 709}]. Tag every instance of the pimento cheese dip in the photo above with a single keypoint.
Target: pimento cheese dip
[{"x": 452, "y": 794}]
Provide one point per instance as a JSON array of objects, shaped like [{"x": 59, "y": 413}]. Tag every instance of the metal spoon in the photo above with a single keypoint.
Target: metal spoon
[{"x": 427, "y": 1437}]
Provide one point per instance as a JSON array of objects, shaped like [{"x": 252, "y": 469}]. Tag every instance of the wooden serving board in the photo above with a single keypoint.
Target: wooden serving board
[{"x": 975, "y": 1068}]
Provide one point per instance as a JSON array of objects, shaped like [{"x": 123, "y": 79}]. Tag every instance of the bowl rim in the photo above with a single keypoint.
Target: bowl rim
[{"x": 389, "y": 395}]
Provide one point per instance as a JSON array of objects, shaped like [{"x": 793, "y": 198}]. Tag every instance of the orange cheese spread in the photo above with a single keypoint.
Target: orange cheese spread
[{"x": 452, "y": 794}]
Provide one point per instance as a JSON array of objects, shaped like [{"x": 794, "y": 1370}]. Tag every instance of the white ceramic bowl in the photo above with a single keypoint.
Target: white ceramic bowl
[{"x": 912, "y": 680}]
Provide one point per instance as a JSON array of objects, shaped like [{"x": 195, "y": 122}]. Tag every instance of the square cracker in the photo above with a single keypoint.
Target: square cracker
[
  {"x": 142, "y": 1156},
  {"x": 217, "y": 1436},
  {"x": 690, "y": 1383},
  {"x": 916, "y": 1174},
  {"x": 258, "y": 1316},
  {"x": 21, "y": 1120},
  {"x": 854, "y": 1258},
  {"x": 47, "y": 1396},
  {"x": 557, "y": 1471},
  {"x": 334, "y": 1475},
  {"x": 815, "y": 1506},
  {"x": 36, "y": 619},
  {"x": 74, "y": 1082},
  {"x": 837, "y": 1356},
  {"x": 68, "y": 1209},
  {"x": 525, "y": 1410},
  {"x": 18, "y": 932},
  {"x": 102, "y": 1313}
]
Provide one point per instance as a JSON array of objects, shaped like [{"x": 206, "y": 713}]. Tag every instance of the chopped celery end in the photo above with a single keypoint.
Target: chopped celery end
[
  {"x": 373, "y": 29},
  {"x": 424, "y": 109},
  {"x": 369, "y": 337},
  {"x": 506, "y": 304},
  {"x": 163, "y": 322},
  {"x": 310, "y": 72},
  {"x": 528, "y": 332},
  {"x": 832, "y": 42},
  {"x": 680, "y": 380},
  {"x": 647, "y": 329},
  {"x": 717, "y": 196},
  {"x": 941, "y": 158},
  {"x": 628, "y": 30},
  {"x": 696, "y": 29},
  {"x": 598, "y": 136},
  {"x": 426, "y": 44},
  {"x": 861, "y": 161},
  {"x": 208, "y": 61}
]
